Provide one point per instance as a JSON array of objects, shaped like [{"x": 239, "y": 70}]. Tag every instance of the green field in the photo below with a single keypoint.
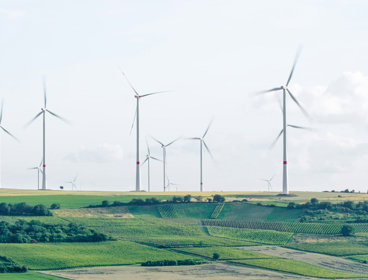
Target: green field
[
  {"x": 297, "y": 267},
  {"x": 28, "y": 276},
  {"x": 259, "y": 236},
  {"x": 65, "y": 255},
  {"x": 180, "y": 231}
]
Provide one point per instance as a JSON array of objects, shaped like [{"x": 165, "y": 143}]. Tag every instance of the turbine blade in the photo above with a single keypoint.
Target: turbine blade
[
  {"x": 59, "y": 117},
  {"x": 193, "y": 138},
  {"x": 33, "y": 168},
  {"x": 130, "y": 84},
  {"x": 277, "y": 138},
  {"x": 1, "y": 112},
  {"x": 144, "y": 161},
  {"x": 75, "y": 178},
  {"x": 162, "y": 144},
  {"x": 293, "y": 68},
  {"x": 155, "y": 158},
  {"x": 208, "y": 150},
  {"x": 7, "y": 132},
  {"x": 32, "y": 120},
  {"x": 269, "y": 90},
  {"x": 172, "y": 142},
  {"x": 299, "y": 105},
  {"x": 147, "y": 94},
  {"x": 299, "y": 127},
  {"x": 131, "y": 128},
  {"x": 208, "y": 127},
  {"x": 148, "y": 148},
  {"x": 44, "y": 92}
]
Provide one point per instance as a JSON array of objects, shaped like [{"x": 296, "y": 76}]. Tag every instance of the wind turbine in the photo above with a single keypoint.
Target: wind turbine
[
  {"x": 136, "y": 118},
  {"x": 201, "y": 144},
  {"x": 285, "y": 90},
  {"x": 2, "y": 127},
  {"x": 43, "y": 112},
  {"x": 38, "y": 168},
  {"x": 163, "y": 146},
  {"x": 148, "y": 160},
  {"x": 73, "y": 182},
  {"x": 268, "y": 181},
  {"x": 169, "y": 184}
]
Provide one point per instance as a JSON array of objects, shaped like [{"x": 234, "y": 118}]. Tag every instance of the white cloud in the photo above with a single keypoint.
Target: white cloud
[
  {"x": 100, "y": 154},
  {"x": 11, "y": 14}
]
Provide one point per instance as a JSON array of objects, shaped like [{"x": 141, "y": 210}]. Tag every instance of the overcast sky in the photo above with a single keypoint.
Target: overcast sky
[{"x": 213, "y": 55}]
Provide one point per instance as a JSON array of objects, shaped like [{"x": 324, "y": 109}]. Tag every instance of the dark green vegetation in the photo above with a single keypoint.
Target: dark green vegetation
[
  {"x": 183, "y": 230},
  {"x": 7, "y": 265},
  {"x": 36, "y": 231},
  {"x": 23, "y": 209},
  {"x": 172, "y": 262}
]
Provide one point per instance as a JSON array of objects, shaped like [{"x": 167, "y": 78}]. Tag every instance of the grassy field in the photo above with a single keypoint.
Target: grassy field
[
  {"x": 259, "y": 236},
  {"x": 28, "y": 276},
  {"x": 65, "y": 255},
  {"x": 181, "y": 231},
  {"x": 298, "y": 267},
  {"x": 226, "y": 253},
  {"x": 333, "y": 248}
]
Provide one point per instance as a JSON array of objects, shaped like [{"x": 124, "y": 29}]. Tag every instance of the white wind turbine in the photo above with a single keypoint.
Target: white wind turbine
[
  {"x": 169, "y": 184},
  {"x": 148, "y": 160},
  {"x": 268, "y": 181},
  {"x": 2, "y": 127},
  {"x": 285, "y": 90},
  {"x": 163, "y": 146},
  {"x": 43, "y": 112},
  {"x": 201, "y": 144},
  {"x": 39, "y": 170},
  {"x": 73, "y": 182},
  {"x": 136, "y": 118}
]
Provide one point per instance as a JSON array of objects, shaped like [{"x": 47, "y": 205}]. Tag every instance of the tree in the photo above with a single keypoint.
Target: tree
[
  {"x": 347, "y": 230},
  {"x": 187, "y": 198},
  {"x": 314, "y": 201},
  {"x": 105, "y": 203},
  {"x": 55, "y": 206},
  {"x": 216, "y": 256},
  {"x": 291, "y": 205},
  {"x": 218, "y": 198}
]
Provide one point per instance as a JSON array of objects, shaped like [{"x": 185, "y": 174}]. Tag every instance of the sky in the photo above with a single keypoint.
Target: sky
[{"x": 212, "y": 56}]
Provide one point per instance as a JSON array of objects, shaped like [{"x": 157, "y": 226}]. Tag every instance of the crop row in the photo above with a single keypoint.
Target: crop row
[
  {"x": 216, "y": 212},
  {"x": 312, "y": 228}
]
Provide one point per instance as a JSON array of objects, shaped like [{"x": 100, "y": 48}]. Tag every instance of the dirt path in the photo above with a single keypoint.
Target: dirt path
[
  {"x": 205, "y": 272},
  {"x": 335, "y": 263}
]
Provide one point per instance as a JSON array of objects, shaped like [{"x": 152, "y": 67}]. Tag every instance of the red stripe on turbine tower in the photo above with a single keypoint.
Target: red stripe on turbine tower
[
  {"x": 44, "y": 165},
  {"x": 285, "y": 162},
  {"x": 138, "y": 162}
]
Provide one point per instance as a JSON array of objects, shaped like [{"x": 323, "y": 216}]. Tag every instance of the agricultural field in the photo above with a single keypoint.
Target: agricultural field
[{"x": 257, "y": 233}]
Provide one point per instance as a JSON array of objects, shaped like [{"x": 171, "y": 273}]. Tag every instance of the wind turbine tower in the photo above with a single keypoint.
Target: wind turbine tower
[
  {"x": 136, "y": 118},
  {"x": 286, "y": 91},
  {"x": 43, "y": 112}
]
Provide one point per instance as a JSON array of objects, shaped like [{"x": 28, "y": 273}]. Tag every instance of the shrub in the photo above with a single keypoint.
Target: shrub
[
  {"x": 218, "y": 198},
  {"x": 187, "y": 198},
  {"x": 215, "y": 256},
  {"x": 55, "y": 206},
  {"x": 291, "y": 205},
  {"x": 105, "y": 203},
  {"x": 347, "y": 230}
]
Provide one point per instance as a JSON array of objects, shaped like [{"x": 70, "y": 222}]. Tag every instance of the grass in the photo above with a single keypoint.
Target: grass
[
  {"x": 187, "y": 210},
  {"x": 226, "y": 253},
  {"x": 253, "y": 212},
  {"x": 332, "y": 248},
  {"x": 28, "y": 276},
  {"x": 67, "y": 255},
  {"x": 297, "y": 267},
  {"x": 360, "y": 258},
  {"x": 259, "y": 236}
]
